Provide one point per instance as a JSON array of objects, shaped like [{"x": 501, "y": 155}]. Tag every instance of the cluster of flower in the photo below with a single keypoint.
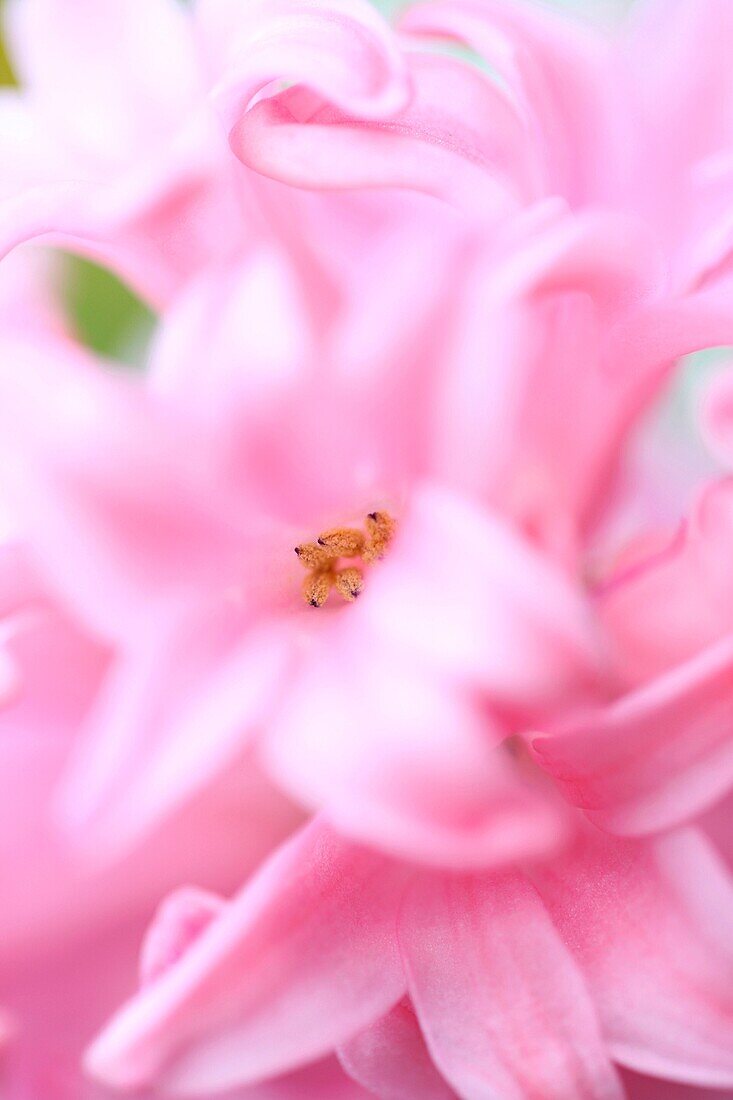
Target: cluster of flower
[{"x": 418, "y": 287}]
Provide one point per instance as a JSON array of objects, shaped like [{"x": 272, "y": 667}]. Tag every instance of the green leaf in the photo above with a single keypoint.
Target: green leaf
[{"x": 106, "y": 315}]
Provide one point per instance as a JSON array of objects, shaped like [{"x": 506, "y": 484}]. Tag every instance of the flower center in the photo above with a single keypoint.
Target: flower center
[{"x": 324, "y": 558}]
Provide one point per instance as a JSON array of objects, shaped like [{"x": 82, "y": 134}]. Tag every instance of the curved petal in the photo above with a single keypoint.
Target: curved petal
[
  {"x": 458, "y": 140},
  {"x": 655, "y": 758},
  {"x": 557, "y": 70},
  {"x": 664, "y": 329},
  {"x": 110, "y": 149},
  {"x": 302, "y": 958},
  {"x": 341, "y": 49},
  {"x": 154, "y": 221},
  {"x": 180, "y": 920},
  {"x": 671, "y": 605},
  {"x": 501, "y": 1002},
  {"x": 540, "y": 314},
  {"x": 649, "y": 922},
  {"x": 391, "y": 1060}
]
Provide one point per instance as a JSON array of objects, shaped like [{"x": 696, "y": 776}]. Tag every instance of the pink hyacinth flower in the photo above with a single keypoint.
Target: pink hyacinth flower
[{"x": 183, "y": 561}]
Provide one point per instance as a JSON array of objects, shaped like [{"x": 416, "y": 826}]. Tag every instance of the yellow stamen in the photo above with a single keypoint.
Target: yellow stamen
[
  {"x": 321, "y": 558},
  {"x": 349, "y": 582},
  {"x": 342, "y": 542},
  {"x": 380, "y": 531},
  {"x": 316, "y": 587},
  {"x": 313, "y": 556}
]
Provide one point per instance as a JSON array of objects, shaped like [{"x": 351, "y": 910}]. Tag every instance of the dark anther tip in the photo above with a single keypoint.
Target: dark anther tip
[
  {"x": 314, "y": 603},
  {"x": 356, "y": 592},
  {"x": 297, "y": 550},
  {"x": 373, "y": 515},
  {"x": 321, "y": 542}
]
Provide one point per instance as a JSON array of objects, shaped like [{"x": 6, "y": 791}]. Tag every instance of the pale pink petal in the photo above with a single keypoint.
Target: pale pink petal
[
  {"x": 671, "y": 604},
  {"x": 557, "y": 70},
  {"x": 658, "y": 756},
  {"x": 341, "y": 49},
  {"x": 510, "y": 621},
  {"x": 540, "y": 316},
  {"x": 502, "y": 1004},
  {"x": 390, "y": 1059},
  {"x": 29, "y": 298},
  {"x": 122, "y": 531},
  {"x": 64, "y": 894},
  {"x": 20, "y": 586},
  {"x": 602, "y": 253},
  {"x": 142, "y": 753},
  {"x": 154, "y": 221},
  {"x": 690, "y": 79},
  {"x": 111, "y": 77},
  {"x": 459, "y": 140},
  {"x": 180, "y": 920},
  {"x": 250, "y": 320},
  {"x": 669, "y": 327},
  {"x": 649, "y": 922},
  {"x": 402, "y": 759},
  {"x": 109, "y": 149},
  {"x": 301, "y": 959},
  {"x": 261, "y": 323}
]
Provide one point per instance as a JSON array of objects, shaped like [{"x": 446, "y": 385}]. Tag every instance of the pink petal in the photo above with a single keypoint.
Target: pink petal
[
  {"x": 391, "y": 1060},
  {"x": 655, "y": 758},
  {"x": 20, "y": 586},
  {"x": 667, "y": 328},
  {"x": 649, "y": 922},
  {"x": 669, "y": 606},
  {"x": 323, "y": 1080},
  {"x": 301, "y": 959},
  {"x": 341, "y": 49},
  {"x": 691, "y": 76},
  {"x": 250, "y": 317},
  {"x": 179, "y": 921},
  {"x": 400, "y": 759},
  {"x": 510, "y": 621},
  {"x": 141, "y": 754},
  {"x": 131, "y": 218},
  {"x": 123, "y": 532},
  {"x": 640, "y": 1087},
  {"x": 545, "y": 304},
  {"x": 556, "y": 69},
  {"x": 29, "y": 299},
  {"x": 109, "y": 149},
  {"x": 502, "y": 1004},
  {"x": 459, "y": 140},
  {"x": 109, "y": 77}
]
